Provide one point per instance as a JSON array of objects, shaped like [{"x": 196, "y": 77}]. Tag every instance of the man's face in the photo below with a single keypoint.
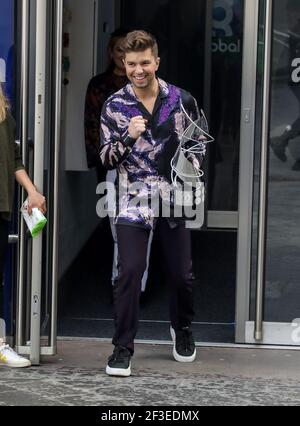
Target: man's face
[{"x": 141, "y": 68}]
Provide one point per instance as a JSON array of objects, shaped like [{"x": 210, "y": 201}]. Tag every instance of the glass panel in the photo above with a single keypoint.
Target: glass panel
[
  {"x": 226, "y": 83},
  {"x": 283, "y": 238},
  {"x": 180, "y": 28},
  {"x": 258, "y": 131},
  {"x": 182, "y": 39},
  {"x": 283, "y": 230}
]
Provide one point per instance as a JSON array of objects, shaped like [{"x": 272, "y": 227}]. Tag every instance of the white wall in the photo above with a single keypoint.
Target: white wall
[
  {"x": 89, "y": 23},
  {"x": 81, "y": 29},
  {"x": 77, "y": 213}
]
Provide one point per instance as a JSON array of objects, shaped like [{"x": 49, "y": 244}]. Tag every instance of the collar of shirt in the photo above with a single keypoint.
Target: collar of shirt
[{"x": 163, "y": 90}]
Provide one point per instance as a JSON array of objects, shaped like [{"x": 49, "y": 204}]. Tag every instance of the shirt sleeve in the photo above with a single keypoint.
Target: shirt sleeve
[
  {"x": 114, "y": 147},
  {"x": 17, "y": 152}
]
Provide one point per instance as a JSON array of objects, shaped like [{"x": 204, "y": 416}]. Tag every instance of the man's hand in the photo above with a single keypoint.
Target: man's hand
[
  {"x": 136, "y": 127},
  {"x": 36, "y": 200}
]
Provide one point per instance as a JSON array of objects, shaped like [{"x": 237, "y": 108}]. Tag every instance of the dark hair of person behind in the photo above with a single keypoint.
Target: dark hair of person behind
[
  {"x": 114, "y": 37},
  {"x": 138, "y": 41}
]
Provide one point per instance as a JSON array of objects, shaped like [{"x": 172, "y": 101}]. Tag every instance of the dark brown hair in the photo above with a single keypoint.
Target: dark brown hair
[
  {"x": 138, "y": 41},
  {"x": 118, "y": 34}
]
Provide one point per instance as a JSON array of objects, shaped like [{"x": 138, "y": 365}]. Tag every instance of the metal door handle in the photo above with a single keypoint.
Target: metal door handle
[{"x": 262, "y": 221}]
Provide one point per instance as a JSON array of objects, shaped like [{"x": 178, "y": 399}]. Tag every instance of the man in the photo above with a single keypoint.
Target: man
[{"x": 139, "y": 137}]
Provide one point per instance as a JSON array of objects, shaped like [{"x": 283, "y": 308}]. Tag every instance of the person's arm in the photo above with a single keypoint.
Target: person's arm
[
  {"x": 35, "y": 199},
  {"x": 115, "y": 148},
  {"x": 94, "y": 101}
]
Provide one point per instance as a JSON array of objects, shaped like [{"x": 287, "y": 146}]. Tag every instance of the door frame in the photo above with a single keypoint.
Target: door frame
[
  {"x": 31, "y": 253},
  {"x": 251, "y": 21},
  {"x": 258, "y": 332}
]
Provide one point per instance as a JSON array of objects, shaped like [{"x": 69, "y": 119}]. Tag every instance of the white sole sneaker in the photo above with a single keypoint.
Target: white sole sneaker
[
  {"x": 22, "y": 364},
  {"x": 177, "y": 357},
  {"x": 118, "y": 372}
]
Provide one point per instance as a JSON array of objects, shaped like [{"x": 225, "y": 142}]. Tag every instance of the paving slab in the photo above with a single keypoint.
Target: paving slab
[{"x": 219, "y": 377}]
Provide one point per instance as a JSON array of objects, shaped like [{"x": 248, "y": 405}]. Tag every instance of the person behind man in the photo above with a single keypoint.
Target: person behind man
[
  {"x": 139, "y": 137},
  {"x": 11, "y": 168},
  {"x": 99, "y": 89}
]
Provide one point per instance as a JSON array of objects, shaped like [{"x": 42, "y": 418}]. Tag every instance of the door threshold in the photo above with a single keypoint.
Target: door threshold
[{"x": 198, "y": 344}]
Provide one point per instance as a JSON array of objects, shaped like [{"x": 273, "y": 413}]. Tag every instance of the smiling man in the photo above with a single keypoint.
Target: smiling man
[{"x": 140, "y": 125}]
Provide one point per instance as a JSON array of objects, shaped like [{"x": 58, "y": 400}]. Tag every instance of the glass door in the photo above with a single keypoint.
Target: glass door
[
  {"x": 274, "y": 296},
  {"x": 201, "y": 49},
  {"x": 224, "y": 100},
  {"x": 7, "y": 56},
  {"x": 39, "y": 68}
]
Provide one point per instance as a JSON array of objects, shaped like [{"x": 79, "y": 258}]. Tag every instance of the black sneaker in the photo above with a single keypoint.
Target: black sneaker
[
  {"x": 119, "y": 363},
  {"x": 184, "y": 349}
]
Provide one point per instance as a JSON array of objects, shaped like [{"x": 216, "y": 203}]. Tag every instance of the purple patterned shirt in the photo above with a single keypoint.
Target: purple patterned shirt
[{"x": 144, "y": 163}]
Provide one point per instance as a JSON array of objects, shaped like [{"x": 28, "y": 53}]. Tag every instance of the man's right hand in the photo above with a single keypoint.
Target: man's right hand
[{"x": 136, "y": 127}]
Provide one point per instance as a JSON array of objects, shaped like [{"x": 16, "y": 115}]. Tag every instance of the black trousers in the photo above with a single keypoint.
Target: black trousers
[
  {"x": 132, "y": 244},
  {"x": 3, "y": 244},
  {"x": 295, "y": 131}
]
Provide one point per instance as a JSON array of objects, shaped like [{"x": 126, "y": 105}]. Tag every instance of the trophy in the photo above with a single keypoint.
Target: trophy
[{"x": 186, "y": 169}]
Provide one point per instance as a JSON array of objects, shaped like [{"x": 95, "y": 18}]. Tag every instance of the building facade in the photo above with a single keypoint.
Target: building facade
[{"x": 241, "y": 61}]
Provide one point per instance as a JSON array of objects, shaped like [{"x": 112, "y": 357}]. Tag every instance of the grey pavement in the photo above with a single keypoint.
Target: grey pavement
[{"x": 226, "y": 377}]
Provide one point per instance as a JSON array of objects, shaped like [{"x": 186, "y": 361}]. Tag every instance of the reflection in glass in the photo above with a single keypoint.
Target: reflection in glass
[
  {"x": 282, "y": 291},
  {"x": 226, "y": 83},
  {"x": 180, "y": 28}
]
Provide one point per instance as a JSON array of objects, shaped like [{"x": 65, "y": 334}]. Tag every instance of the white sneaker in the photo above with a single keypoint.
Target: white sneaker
[{"x": 10, "y": 358}]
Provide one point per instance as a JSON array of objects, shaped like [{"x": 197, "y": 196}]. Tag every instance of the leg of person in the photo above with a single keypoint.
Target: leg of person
[
  {"x": 176, "y": 245},
  {"x": 145, "y": 276},
  {"x": 111, "y": 177},
  {"x": 280, "y": 143},
  {"x": 8, "y": 357},
  {"x": 295, "y": 130},
  {"x": 3, "y": 245},
  {"x": 114, "y": 273},
  {"x": 132, "y": 246},
  {"x": 296, "y": 166}
]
